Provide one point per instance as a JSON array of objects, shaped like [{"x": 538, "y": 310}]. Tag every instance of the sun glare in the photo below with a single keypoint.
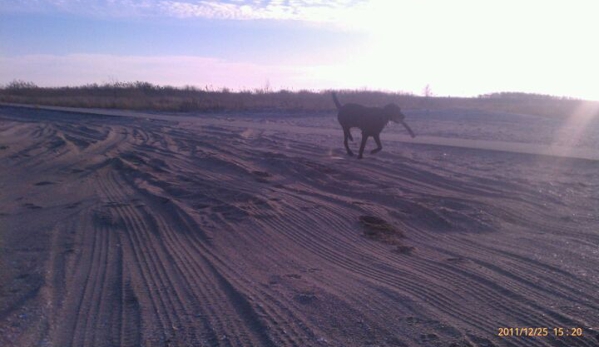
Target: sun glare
[
  {"x": 577, "y": 125},
  {"x": 470, "y": 47}
]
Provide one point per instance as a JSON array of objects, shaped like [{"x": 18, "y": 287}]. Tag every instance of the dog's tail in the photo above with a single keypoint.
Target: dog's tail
[{"x": 337, "y": 103}]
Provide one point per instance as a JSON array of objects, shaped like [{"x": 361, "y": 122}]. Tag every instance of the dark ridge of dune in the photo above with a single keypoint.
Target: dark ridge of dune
[{"x": 126, "y": 231}]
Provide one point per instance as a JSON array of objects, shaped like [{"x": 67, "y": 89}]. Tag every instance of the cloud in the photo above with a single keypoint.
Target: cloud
[
  {"x": 306, "y": 10},
  {"x": 302, "y": 10}
]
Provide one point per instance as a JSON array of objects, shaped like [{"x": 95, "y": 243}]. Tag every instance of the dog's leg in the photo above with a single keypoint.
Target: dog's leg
[
  {"x": 377, "y": 139},
  {"x": 346, "y": 135},
  {"x": 362, "y": 145}
]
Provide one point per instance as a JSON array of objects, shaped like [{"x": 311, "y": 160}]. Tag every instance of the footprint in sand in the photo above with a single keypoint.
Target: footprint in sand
[
  {"x": 378, "y": 229},
  {"x": 73, "y": 205},
  {"x": 456, "y": 260},
  {"x": 401, "y": 249},
  {"x": 295, "y": 276},
  {"x": 428, "y": 338},
  {"x": 305, "y": 297},
  {"x": 261, "y": 176}
]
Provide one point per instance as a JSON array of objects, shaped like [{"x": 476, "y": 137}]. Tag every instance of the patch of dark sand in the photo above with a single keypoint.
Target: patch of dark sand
[
  {"x": 43, "y": 183},
  {"x": 378, "y": 229}
]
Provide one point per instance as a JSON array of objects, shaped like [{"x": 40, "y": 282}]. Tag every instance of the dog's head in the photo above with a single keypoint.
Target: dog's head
[{"x": 394, "y": 113}]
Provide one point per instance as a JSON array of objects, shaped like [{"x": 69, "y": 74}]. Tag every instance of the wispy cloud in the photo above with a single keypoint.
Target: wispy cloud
[
  {"x": 306, "y": 10},
  {"x": 303, "y": 10}
]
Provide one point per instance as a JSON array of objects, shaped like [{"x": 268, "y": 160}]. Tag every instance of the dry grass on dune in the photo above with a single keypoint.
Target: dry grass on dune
[{"x": 149, "y": 97}]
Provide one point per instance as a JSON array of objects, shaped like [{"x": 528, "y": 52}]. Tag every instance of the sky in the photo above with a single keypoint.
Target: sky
[{"x": 458, "y": 47}]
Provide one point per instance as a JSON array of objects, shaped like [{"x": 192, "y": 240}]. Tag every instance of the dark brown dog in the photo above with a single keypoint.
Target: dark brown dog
[{"x": 371, "y": 120}]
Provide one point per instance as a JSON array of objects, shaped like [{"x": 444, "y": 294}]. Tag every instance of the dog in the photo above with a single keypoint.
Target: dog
[{"x": 371, "y": 120}]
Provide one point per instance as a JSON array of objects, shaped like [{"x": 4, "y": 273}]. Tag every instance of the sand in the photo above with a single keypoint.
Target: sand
[{"x": 132, "y": 229}]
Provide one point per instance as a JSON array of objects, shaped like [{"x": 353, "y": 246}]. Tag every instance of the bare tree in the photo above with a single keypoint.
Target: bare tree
[{"x": 427, "y": 92}]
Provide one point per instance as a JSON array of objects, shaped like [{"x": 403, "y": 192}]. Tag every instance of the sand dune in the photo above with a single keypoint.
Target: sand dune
[{"x": 243, "y": 230}]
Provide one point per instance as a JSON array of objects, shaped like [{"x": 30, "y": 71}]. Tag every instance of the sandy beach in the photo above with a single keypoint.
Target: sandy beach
[{"x": 256, "y": 229}]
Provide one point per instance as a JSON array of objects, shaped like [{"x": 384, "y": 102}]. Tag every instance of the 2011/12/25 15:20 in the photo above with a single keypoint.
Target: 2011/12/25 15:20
[{"x": 531, "y": 332}]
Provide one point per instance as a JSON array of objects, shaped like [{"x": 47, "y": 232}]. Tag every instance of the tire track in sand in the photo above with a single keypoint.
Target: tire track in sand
[
  {"x": 182, "y": 245},
  {"x": 174, "y": 289}
]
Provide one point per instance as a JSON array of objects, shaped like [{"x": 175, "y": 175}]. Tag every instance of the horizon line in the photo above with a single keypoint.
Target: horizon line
[{"x": 209, "y": 88}]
